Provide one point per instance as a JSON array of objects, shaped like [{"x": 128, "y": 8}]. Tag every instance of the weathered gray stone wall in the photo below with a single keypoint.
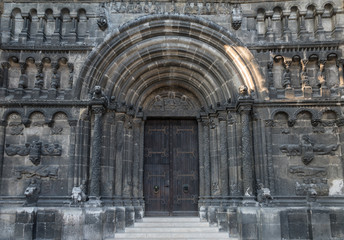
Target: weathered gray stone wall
[{"x": 285, "y": 133}]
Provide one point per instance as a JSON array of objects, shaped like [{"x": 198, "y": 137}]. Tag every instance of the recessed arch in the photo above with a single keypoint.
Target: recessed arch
[{"x": 165, "y": 50}]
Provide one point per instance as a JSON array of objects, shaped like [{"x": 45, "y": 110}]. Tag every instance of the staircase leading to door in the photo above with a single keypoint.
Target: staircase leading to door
[{"x": 166, "y": 228}]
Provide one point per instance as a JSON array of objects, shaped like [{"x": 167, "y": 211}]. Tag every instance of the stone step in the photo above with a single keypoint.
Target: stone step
[
  {"x": 182, "y": 238},
  {"x": 172, "y": 235},
  {"x": 172, "y": 224},
  {"x": 171, "y": 219},
  {"x": 171, "y": 229}
]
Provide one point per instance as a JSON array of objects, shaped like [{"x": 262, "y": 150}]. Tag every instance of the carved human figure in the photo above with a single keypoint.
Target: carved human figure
[
  {"x": 263, "y": 194},
  {"x": 35, "y": 152},
  {"x": 32, "y": 192},
  {"x": 79, "y": 193}
]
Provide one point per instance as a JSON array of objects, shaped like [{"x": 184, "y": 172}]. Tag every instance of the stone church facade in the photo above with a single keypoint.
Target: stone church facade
[{"x": 116, "y": 110}]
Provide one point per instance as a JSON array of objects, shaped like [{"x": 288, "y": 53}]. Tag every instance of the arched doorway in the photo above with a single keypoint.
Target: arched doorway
[{"x": 175, "y": 67}]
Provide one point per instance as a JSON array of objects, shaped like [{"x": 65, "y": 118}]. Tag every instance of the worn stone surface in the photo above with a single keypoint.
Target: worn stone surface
[{"x": 79, "y": 79}]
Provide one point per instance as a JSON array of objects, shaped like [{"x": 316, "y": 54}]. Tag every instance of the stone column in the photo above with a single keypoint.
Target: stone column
[
  {"x": 72, "y": 147},
  {"x": 206, "y": 158},
  {"x": 271, "y": 179},
  {"x": 303, "y": 34},
  {"x": 128, "y": 161},
  {"x": 286, "y": 30},
  {"x": 320, "y": 32},
  {"x": 136, "y": 152},
  {"x": 3, "y": 125},
  {"x": 214, "y": 158},
  {"x": 201, "y": 158},
  {"x": 234, "y": 166},
  {"x": 23, "y": 35},
  {"x": 340, "y": 63},
  {"x": 247, "y": 153},
  {"x": 56, "y": 37},
  {"x": 120, "y": 118},
  {"x": 223, "y": 154},
  {"x": 5, "y": 67},
  {"x": 98, "y": 111}
]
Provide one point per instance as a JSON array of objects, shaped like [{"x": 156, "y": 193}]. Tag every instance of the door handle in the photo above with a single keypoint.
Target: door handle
[{"x": 167, "y": 186}]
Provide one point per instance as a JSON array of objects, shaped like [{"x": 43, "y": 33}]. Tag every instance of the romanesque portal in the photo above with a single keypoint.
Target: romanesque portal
[{"x": 230, "y": 112}]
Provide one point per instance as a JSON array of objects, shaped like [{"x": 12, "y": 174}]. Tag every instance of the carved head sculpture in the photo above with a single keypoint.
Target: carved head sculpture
[
  {"x": 236, "y": 17},
  {"x": 102, "y": 23}
]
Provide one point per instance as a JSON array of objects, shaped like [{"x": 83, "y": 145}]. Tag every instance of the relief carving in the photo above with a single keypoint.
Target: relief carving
[
  {"x": 171, "y": 103},
  {"x": 56, "y": 130},
  {"x": 35, "y": 150},
  {"x": 307, "y": 149},
  {"x": 302, "y": 171},
  {"x": 312, "y": 187},
  {"x": 33, "y": 171},
  {"x": 32, "y": 192},
  {"x": 16, "y": 128}
]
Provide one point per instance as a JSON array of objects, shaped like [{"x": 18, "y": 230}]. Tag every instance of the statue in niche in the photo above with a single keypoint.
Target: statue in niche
[
  {"x": 32, "y": 192},
  {"x": 79, "y": 193}
]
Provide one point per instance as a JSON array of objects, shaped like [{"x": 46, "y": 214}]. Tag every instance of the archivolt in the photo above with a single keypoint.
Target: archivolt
[{"x": 171, "y": 50}]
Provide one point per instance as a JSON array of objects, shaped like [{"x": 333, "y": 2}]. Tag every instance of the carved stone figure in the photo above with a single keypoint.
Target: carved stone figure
[
  {"x": 243, "y": 91},
  {"x": 236, "y": 17},
  {"x": 307, "y": 149},
  {"x": 98, "y": 95},
  {"x": 35, "y": 152},
  {"x": 263, "y": 194},
  {"x": 78, "y": 193},
  {"x": 32, "y": 192}
]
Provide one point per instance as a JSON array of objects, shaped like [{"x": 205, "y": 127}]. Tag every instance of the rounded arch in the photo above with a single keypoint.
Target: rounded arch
[
  {"x": 12, "y": 111},
  {"x": 171, "y": 50}
]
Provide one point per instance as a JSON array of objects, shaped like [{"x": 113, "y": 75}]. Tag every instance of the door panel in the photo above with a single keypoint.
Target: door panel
[
  {"x": 185, "y": 166},
  {"x": 171, "y": 167},
  {"x": 157, "y": 167}
]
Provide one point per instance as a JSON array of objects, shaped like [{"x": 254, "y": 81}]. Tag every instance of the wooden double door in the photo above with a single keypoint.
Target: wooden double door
[{"x": 171, "y": 167}]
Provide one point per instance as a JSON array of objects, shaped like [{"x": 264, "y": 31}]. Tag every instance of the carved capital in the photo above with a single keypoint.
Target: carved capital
[
  {"x": 5, "y": 65},
  {"x": 245, "y": 109},
  {"x": 73, "y": 123},
  {"x": 315, "y": 122},
  {"x": 55, "y": 66},
  {"x": 23, "y": 67},
  {"x": 340, "y": 122},
  {"x": 222, "y": 116},
  {"x": 98, "y": 109},
  {"x": 340, "y": 63},
  {"x": 71, "y": 67},
  {"x": 287, "y": 64},
  {"x": 269, "y": 123},
  {"x": 291, "y": 122}
]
